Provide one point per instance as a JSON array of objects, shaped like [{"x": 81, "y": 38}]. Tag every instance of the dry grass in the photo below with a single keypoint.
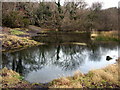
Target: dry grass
[
  {"x": 109, "y": 74},
  {"x": 11, "y": 79},
  {"x": 10, "y": 42},
  {"x": 101, "y": 78},
  {"x": 105, "y": 36},
  {"x": 110, "y": 33}
]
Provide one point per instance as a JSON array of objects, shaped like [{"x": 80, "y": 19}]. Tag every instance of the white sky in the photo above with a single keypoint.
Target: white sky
[{"x": 106, "y": 3}]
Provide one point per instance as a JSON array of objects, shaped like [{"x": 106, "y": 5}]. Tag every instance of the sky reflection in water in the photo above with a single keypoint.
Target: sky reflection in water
[{"x": 45, "y": 63}]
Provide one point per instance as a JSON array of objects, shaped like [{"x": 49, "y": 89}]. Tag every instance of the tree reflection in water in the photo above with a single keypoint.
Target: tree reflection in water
[
  {"x": 99, "y": 49},
  {"x": 67, "y": 57}
]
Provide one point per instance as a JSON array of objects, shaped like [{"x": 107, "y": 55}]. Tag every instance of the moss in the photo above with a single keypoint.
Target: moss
[{"x": 16, "y": 32}]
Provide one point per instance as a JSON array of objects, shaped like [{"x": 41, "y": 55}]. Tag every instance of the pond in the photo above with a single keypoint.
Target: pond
[{"x": 60, "y": 57}]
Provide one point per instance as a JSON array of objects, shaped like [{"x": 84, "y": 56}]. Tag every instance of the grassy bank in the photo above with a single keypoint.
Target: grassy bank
[
  {"x": 12, "y": 42},
  {"x": 11, "y": 79},
  {"x": 17, "y": 38},
  {"x": 107, "y": 38},
  {"x": 100, "y": 78}
]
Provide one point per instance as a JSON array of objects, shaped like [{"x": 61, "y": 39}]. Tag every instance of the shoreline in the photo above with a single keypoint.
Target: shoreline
[
  {"x": 106, "y": 77},
  {"x": 15, "y": 39},
  {"x": 12, "y": 43}
]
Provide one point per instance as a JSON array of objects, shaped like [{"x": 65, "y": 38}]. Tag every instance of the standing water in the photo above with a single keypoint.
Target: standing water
[{"x": 62, "y": 55}]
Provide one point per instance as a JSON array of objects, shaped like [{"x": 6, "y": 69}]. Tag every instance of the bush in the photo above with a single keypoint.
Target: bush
[
  {"x": 25, "y": 22},
  {"x": 15, "y": 19}
]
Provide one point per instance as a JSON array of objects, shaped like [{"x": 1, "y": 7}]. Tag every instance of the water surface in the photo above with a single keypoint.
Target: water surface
[{"x": 44, "y": 63}]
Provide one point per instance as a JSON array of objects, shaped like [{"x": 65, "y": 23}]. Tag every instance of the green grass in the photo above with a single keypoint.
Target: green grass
[
  {"x": 105, "y": 38},
  {"x": 16, "y": 32}
]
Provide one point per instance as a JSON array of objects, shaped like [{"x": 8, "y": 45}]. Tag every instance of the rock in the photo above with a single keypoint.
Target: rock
[{"x": 108, "y": 58}]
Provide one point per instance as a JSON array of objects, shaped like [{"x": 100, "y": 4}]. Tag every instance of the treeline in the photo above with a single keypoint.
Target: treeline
[{"x": 53, "y": 15}]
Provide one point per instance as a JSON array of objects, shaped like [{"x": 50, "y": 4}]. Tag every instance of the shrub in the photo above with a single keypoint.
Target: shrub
[
  {"x": 15, "y": 19},
  {"x": 26, "y": 22}
]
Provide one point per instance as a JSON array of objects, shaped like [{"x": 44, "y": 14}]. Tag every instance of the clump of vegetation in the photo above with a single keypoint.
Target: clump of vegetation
[
  {"x": 15, "y": 19},
  {"x": 106, "y": 38},
  {"x": 16, "y": 32},
  {"x": 101, "y": 78},
  {"x": 11, "y": 79},
  {"x": 10, "y": 42}
]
